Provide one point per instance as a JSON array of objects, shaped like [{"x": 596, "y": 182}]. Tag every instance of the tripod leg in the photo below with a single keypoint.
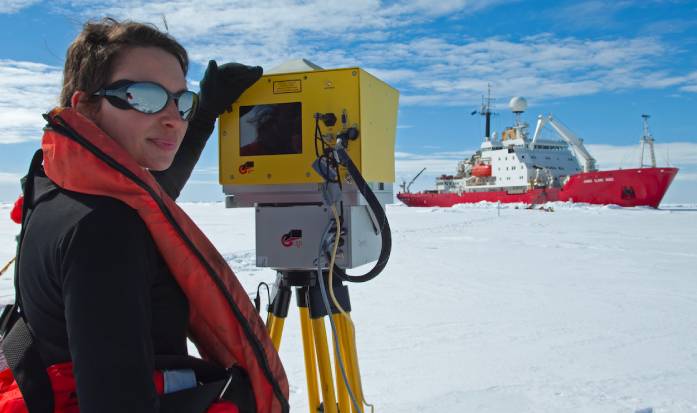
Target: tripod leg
[
  {"x": 325, "y": 367},
  {"x": 279, "y": 311},
  {"x": 276, "y": 330},
  {"x": 347, "y": 344},
  {"x": 351, "y": 360},
  {"x": 341, "y": 390},
  {"x": 308, "y": 350}
]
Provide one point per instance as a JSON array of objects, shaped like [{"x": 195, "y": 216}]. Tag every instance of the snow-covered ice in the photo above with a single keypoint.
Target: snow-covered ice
[{"x": 583, "y": 309}]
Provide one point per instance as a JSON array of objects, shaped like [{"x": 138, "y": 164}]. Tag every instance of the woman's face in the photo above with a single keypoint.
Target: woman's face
[{"x": 152, "y": 139}]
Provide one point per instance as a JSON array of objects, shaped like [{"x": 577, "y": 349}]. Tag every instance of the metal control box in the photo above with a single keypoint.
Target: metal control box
[{"x": 289, "y": 237}]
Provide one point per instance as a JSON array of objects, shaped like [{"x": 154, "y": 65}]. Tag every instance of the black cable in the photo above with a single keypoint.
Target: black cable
[
  {"x": 384, "y": 227},
  {"x": 325, "y": 150},
  {"x": 257, "y": 299},
  {"x": 335, "y": 164},
  {"x": 383, "y": 224},
  {"x": 318, "y": 134}
]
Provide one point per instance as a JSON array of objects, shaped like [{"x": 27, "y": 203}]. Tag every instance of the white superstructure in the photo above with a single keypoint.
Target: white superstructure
[{"x": 515, "y": 162}]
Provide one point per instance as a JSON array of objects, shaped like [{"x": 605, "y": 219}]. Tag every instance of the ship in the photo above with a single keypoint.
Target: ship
[{"x": 518, "y": 168}]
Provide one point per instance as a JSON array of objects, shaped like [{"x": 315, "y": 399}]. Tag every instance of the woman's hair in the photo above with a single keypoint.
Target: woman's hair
[{"x": 90, "y": 58}]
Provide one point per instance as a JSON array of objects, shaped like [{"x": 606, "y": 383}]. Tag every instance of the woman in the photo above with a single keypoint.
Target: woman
[{"x": 112, "y": 275}]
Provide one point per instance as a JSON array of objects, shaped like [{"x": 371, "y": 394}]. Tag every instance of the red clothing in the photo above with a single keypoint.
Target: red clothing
[
  {"x": 16, "y": 213},
  {"x": 65, "y": 398}
]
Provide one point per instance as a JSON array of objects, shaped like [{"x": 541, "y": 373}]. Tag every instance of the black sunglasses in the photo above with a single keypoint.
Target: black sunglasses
[{"x": 148, "y": 97}]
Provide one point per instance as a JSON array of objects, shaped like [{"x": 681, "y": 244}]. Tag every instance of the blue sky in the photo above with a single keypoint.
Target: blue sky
[{"x": 596, "y": 65}]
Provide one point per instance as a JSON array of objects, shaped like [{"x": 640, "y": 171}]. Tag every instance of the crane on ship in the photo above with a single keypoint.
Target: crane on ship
[
  {"x": 568, "y": 137},
  {"x": 405, "y": 187}
]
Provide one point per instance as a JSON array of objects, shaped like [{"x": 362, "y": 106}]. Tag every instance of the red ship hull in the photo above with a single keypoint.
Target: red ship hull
[{"x": 623, "y": 187}]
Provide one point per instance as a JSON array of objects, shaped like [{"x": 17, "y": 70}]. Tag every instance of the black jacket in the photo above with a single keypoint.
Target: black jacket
[{"x": 96, "y": 291}]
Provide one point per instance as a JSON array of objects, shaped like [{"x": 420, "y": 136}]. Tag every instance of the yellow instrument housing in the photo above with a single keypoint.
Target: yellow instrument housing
[{"x": 370, "y": 105}]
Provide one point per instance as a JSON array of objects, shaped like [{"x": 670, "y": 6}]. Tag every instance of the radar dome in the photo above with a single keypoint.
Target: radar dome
[{"x": 518, "y": 104}]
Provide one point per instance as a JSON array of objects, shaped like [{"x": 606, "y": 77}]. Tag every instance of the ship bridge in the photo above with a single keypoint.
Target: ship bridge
[
  {"x": 548, "y": 163},
  {"x": 518, "y": 162}
]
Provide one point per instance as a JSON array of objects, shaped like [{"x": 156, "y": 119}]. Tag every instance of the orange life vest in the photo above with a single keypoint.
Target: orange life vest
[{"x": 223, "y": 324}]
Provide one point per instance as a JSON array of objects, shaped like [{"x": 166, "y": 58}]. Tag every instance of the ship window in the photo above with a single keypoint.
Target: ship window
[
  {"x": 523, "y": 156},
  {"x": 534, "y": 157},
  {"x": 512, "y": 167}
]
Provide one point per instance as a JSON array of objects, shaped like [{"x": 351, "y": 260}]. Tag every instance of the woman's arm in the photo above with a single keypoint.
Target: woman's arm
[{"x": 220, "y": 87}]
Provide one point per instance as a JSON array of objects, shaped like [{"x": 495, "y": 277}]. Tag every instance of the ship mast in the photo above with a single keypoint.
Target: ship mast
[
  {"x": 647, "y": 139},
  {"x": 485, "y": 111}
]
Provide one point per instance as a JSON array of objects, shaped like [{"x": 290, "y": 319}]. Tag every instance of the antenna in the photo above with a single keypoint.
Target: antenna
[
  {"x": 485, "y": 111},
  {"x": 647, "y": 139},
  {"x": 518, "y": 105}
]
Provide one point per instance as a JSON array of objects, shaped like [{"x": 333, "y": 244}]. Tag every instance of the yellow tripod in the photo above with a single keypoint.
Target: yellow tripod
[{"x": 335, "y": 394}]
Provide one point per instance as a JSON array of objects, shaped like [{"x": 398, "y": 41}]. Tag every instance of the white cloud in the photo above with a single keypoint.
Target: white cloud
[
  {"x": 442, "y": 7},
  {"x": 379, "y": 36},
  {"x": 409, "y": 164},
  {"x": 686, "y": 176},
  {"x": 10, "y": 188},
  {"x": 586, "y": 14},
  {"x": 428, "y": 70},
  {"x": 267, "y": 33},
  {"x": 13, "y": 6},
  {"x": 9, "y": 178},
  {"x": 26, "y": 91},
  {"x": 277, "y": 22},
  {"x": 541, "y": 66},
  {"x": 206, "y": 170},
  {"x": 682, "y": 154},
  {"x": 689, "y": 82},
  {"x": 393, "y": 75},
  {"x": 203, "y": 182}
]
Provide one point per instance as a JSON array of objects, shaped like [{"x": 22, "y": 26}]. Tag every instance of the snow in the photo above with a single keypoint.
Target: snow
[{"x": 487, "y": 309}]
